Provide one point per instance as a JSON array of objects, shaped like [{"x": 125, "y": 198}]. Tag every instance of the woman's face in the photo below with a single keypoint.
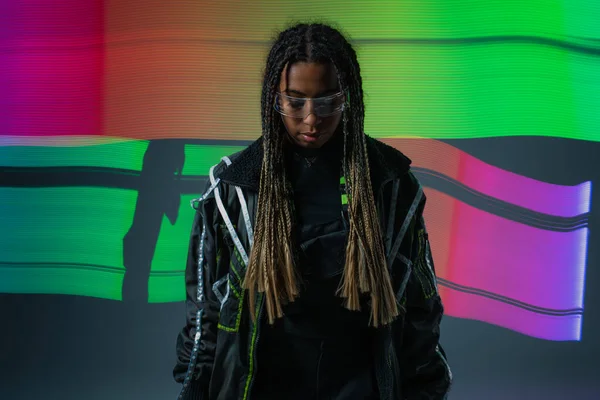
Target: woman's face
[{"x": 310, "y": 80}]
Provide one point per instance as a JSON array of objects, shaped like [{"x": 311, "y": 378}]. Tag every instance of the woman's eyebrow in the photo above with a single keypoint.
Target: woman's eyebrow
[{"x": 323, "y": 93}]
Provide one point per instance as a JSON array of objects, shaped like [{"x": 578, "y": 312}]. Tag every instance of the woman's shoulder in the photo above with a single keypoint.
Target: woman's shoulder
[
  {"x": 243, "y": 167},
  {"x": 252, "y": 152}
]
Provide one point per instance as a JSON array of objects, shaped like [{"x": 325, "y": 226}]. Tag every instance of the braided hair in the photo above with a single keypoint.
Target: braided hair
[{"x": 271, "y": 268}]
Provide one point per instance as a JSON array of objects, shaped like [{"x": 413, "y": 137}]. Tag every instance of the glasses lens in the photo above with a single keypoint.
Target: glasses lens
[{"x": 298, "y": 107}]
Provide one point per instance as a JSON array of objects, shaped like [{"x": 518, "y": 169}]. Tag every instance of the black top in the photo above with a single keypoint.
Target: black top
[{"x": 319, "y": 349}]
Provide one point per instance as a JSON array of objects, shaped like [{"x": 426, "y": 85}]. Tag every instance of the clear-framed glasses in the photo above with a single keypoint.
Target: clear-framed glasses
[{"x": 301, "y": 107}]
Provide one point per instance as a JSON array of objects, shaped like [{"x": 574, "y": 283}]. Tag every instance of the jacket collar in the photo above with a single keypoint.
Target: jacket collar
[{"x": 386, "y": 163}]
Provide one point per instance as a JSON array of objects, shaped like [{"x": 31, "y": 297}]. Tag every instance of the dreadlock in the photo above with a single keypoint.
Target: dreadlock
[{"x": 271, "y": 268}]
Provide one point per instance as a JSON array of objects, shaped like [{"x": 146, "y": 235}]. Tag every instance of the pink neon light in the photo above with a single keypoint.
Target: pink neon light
[
  {"x": 546, "y": 198},
  {"x": 53, "y": 63},
  {"x": 479, "y": 250},
  {"x": 548, "y": 327}
]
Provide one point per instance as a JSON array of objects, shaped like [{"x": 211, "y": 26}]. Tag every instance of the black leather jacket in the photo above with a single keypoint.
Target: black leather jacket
[{"x": 217, "y": 349}]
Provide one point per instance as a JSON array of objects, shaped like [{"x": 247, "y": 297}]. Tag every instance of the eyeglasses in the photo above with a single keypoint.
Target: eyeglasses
[{"x": 296, "y": 107}]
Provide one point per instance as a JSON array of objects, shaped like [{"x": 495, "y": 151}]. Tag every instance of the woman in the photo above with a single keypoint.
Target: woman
[{"x": 309, "y": 273}]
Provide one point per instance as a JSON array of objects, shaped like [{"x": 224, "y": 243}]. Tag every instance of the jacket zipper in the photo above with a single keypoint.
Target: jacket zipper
[{"x": 253, "y": 346}]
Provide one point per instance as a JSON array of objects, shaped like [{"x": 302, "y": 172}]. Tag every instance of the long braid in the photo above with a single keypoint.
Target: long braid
[
  {"x": 373, "y": 276},
  {"x": 271, "y": 268}
]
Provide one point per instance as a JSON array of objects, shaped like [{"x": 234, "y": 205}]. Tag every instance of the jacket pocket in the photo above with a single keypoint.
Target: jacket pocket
[
  {"x": 324, "y": 256},
  {"x": 231, "y": 294}
]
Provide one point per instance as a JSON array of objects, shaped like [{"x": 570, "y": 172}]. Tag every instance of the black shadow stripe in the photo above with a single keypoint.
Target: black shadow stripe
[
  {"x": 586, "y": 46},
  {"x": 490, "y": 204},
  {"x": 64, "y": 265},
  {"x": 508, "y": 300},
  {"x": 38, "y": 177},
  {"x": 590, "y": 48}
]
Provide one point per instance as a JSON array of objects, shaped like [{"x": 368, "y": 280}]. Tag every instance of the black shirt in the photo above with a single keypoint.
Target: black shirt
[{"x": 319, "y": 349}]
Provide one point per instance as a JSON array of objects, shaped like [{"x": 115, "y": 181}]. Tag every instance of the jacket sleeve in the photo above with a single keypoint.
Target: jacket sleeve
[
  {"x": 425, "y": 368},
  {"x": 195, "y": 348}
]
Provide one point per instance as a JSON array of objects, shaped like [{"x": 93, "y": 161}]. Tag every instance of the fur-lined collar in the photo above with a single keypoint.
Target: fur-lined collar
[{"x": 386, "y": 163}]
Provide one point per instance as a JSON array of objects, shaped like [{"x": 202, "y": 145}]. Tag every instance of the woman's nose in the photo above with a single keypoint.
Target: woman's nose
[{"x": 311, "y": 119}]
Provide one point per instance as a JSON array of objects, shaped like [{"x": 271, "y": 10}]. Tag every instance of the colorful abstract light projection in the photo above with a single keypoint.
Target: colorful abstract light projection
[
  {"x": 147, "y": 69},
  {"x": 522, "y": 272},
  {"x": 80, "y": 80}
]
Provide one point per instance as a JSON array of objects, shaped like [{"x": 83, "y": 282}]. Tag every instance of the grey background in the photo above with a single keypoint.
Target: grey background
[{"x": 69, "y": 347}]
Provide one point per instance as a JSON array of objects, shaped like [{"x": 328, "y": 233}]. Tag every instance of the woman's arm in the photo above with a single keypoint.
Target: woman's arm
[
  {"x": 425, "y": 368},
  {"x": 196, "y": 348}
]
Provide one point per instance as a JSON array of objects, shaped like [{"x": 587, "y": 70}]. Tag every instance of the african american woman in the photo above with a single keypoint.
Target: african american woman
[{"x": 309, "y": 273}]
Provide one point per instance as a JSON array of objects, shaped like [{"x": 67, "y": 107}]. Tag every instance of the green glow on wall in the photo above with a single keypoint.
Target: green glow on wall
[{"x": 65, "y": 240}]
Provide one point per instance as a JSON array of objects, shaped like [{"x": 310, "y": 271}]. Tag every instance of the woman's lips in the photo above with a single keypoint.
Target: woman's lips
[{"x": 310, "y": 137}]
